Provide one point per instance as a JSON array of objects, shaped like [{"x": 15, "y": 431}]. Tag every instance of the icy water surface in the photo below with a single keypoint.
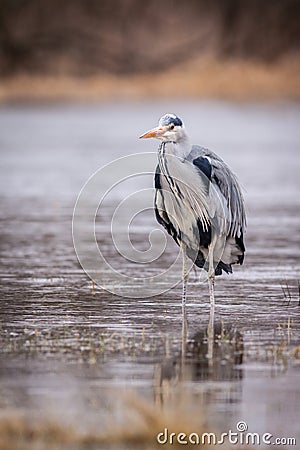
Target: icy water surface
[{"x": 82, "y": 367}]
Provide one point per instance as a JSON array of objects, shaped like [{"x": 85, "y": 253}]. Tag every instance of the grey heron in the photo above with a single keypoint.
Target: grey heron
[{"x": 198, "y": 201}]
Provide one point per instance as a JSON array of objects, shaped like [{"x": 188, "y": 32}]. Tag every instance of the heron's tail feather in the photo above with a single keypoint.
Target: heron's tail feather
[
  {"x": 222, "y": 266},
  {"x": 200, "y": 261}
]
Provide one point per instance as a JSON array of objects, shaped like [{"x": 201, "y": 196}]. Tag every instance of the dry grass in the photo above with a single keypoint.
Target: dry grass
[
  {"x": 205, "y": 78},
  {"x": 145, "y": 421}
]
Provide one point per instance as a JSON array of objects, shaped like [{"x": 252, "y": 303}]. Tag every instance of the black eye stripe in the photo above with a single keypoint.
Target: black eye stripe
[
  {"x": 168, "y": 120},
  {"x": 178, "y": 122}
]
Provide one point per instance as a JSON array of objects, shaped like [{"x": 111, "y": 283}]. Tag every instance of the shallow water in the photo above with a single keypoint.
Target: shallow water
[{"x": 75, "y": 354}]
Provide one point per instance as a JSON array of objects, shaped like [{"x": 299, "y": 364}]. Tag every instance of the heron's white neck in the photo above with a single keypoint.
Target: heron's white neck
[{"x": 179, "y": 148}]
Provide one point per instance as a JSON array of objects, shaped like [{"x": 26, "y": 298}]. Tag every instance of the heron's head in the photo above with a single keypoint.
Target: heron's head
[{"x": 170, "y": 128}]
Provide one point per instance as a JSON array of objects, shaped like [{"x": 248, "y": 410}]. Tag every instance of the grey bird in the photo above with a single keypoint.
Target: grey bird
[{"x": 198, "y": 201}]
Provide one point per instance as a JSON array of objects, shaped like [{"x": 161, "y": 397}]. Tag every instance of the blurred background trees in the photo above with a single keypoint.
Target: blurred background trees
[{"x": 124, "y": 37}]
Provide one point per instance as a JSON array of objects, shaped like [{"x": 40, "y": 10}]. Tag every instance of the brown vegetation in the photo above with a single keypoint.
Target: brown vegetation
[
  {"x": 128, "y": 48},
  {"x": 144, "y": 422},
  {"x": 204, "y": 78}
]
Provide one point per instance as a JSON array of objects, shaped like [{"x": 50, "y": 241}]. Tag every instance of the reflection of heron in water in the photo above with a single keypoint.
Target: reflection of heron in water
[{"x": 193, "y": 364}]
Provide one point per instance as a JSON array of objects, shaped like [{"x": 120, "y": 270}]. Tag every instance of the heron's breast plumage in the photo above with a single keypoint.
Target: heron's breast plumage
[{"x": 183, "y": 198}]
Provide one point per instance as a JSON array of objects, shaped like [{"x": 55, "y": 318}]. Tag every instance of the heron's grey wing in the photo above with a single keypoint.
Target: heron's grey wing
[
  {"x": 229, "y": 186},
  {"x": 220, "y": 174},
  {"x": 198, "y": 150}
]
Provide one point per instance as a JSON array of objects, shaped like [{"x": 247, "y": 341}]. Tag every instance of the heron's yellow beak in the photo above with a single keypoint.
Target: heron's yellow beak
[{"x": 154, "y": 133}]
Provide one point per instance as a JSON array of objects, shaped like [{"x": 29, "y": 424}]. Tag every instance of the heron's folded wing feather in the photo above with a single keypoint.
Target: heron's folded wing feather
[{"x": 222, "y": 177}]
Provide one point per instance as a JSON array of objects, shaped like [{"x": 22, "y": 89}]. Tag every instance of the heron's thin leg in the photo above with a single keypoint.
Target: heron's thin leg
[
  {"x": 211, "y": 273},
  {"x": 184, "y": 330},
  {"x": 211, "y": 334},
  {"x": 184, "y": 278},
  {"x": 211, "y": 284},
  {"x": 184, "y": 316}
]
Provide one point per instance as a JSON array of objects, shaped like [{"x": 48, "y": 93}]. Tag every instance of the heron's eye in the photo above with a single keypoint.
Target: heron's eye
[{"x": 171, "y": 127}]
